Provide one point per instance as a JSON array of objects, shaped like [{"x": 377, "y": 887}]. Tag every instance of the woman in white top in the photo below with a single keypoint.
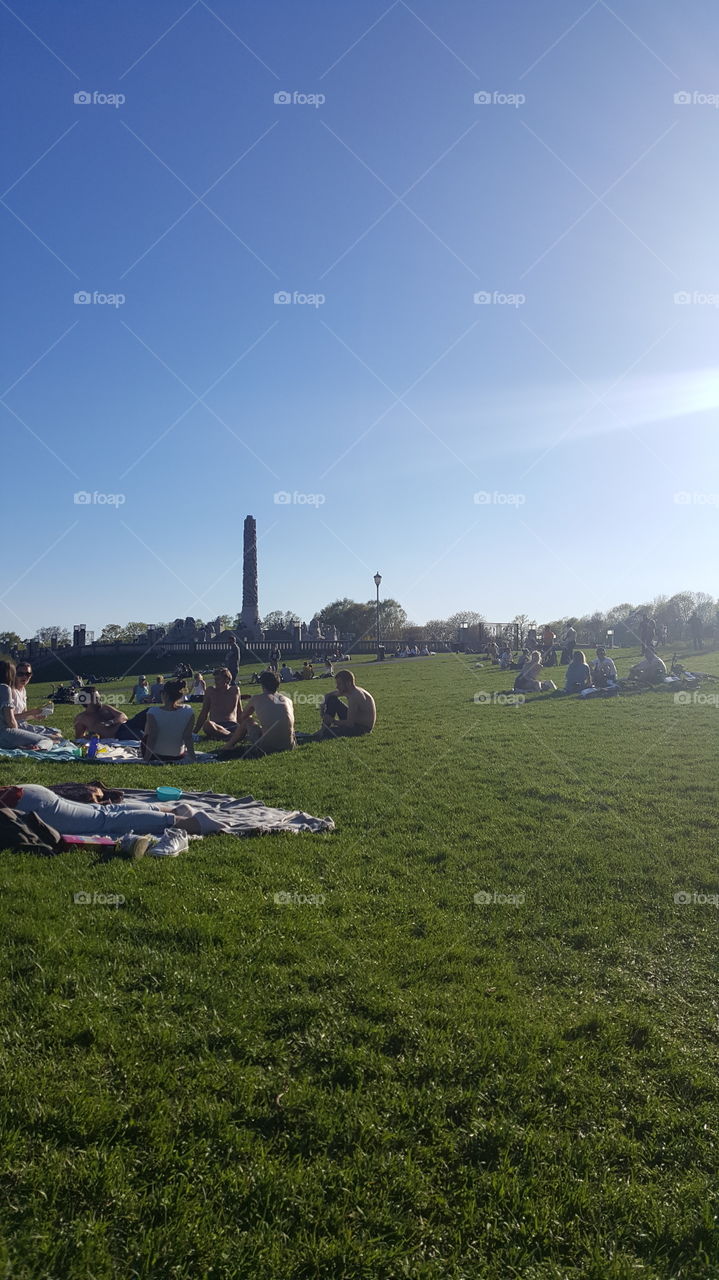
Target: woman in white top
[
  {"x": 13, "y": 738},
  {"x": 199, "y": 689},
  {"x": 168, "y": 728}
]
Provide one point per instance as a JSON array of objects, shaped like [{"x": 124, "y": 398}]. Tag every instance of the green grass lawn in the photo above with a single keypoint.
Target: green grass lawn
[{"x": 397, "y": 1081}]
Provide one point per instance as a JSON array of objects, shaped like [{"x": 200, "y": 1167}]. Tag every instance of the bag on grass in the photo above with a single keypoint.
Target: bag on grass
[{"x": 26, "y": 832}]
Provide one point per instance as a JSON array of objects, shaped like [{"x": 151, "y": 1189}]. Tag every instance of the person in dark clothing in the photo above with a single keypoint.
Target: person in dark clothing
[{"x": 232, "y": 658}]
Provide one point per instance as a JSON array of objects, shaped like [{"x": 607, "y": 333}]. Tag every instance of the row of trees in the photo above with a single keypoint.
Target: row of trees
[{"x": 672, "y": 614}]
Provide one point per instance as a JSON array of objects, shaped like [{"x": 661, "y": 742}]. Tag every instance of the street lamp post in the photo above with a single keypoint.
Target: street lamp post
[{"x": 377, "y": 580}]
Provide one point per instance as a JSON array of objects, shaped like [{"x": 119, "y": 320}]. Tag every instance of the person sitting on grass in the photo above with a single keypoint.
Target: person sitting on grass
[
  {"x": 141, "y": 691},
  {"x": 199, "y": 689},
  {"x": 97, "y": 719},
  {"x": 528, "y": 680},
  {"x": 156, "y": 690},
  {"x": 168, "y": 728},
  {"x": 352, "y": 720},
  {"x": 650, "y": 668},
  {"x": 23, "y": 676},
  {"x": 578, "y": 674},
  {"x": 12, "y": 737},
  {"x": 328, "y": 668},
  {"x": 218, "y": 714},
  {"x": 307, "y": 672},
  {"x": 604, "y": 672},
  {"x": 267, "y": 722},
  {"x": 286, "y": 673}
]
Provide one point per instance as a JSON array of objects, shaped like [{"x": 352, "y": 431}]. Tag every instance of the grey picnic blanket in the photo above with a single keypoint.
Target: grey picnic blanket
[{"x": 243, "y": 815}]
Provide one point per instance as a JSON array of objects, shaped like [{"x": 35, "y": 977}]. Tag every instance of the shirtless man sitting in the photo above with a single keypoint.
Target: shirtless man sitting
[
  {"x": 97, "y": 718},
  {"x": 220, "y": 705},
  {"x": 352, "y": 720},
  {"x": 267, "y": 722}
]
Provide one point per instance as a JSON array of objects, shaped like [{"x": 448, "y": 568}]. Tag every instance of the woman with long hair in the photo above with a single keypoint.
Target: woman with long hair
[{"x": 12, "y": 737}]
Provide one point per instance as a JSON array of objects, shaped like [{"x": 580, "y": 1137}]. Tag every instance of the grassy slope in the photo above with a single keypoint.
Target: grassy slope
[{"x": 399, "y": 1082}]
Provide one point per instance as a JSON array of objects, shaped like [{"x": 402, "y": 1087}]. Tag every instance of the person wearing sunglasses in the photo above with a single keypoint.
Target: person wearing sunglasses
[
  {"x": 12, "y": 736},
  {"x": 23, "y": 676}
]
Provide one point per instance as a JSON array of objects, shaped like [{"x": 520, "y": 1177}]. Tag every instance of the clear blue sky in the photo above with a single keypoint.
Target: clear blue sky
[{"x": 399, "y": 398}]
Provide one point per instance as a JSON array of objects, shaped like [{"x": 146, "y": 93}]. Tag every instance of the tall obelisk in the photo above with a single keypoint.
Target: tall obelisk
[{"x": 250, "y": 616}]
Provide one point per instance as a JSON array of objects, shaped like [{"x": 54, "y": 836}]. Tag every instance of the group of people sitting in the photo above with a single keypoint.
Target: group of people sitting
[
  {"x": 167, "y": 731},
  {"x": 602, "y": 674},
  {"x": 413, "y": 651}
]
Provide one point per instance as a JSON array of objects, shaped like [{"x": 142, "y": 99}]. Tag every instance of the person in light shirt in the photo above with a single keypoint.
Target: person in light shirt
[{"x": 604, "y": 672}]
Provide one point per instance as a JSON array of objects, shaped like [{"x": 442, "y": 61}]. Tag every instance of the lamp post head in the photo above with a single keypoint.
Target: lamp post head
[{"x": 377, "y": 580}]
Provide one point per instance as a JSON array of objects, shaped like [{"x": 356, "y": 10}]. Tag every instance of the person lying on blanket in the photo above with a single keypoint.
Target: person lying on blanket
[
  {"x": 267, "y": 722},
  {"x": 352, "y": 720},
  {"x": 73, "y": 819}
]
